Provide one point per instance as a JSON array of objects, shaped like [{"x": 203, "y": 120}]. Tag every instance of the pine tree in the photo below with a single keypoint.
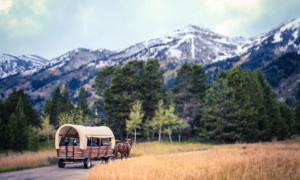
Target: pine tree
[
  {"x": 2, "y": 125},
  {"x": 66, "y": 105},
  {"x": 182, "y": 91},
  {"x": 255, "y": 93},
  {"x": 2, "y": 131},
  {"x": 33, "y": 140},
  {"x": 47, "y": 107},
  {"x": 11, "y": 104},
  {"x": 189, "y": 93},
  {"x": 296, "y": 123},
  {"x": 83, "y": 103},
  {"x": 152, "y": 87},
  {"x": 287, "y": 116},
  {"x": 275, "y": 125},
  {"x": 104, "y": 79},
  {"x": 17, "y": 129},
  {"x": 17, "y": 114},
  {"x": 246, "y": 124},
  {"x": 31, "y": 114},
  {"x": 135, "y": 118},
  {"x": 11, "y": 133},
  {"x": 120, "y": 96},
  {"x": 220, "y": 113},
  {"x": 55, "y": 106},
  {"x": 198, "y": 90},
  {"x": 198, "y": 83},
  {"x": 263, "y": 120}
]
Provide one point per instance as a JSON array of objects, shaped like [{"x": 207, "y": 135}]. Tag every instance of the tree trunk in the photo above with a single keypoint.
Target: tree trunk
[
  {"x": 159, "y": 134},
  {"x": 153, "y": 133},
  {"x": 148, "y": 136},
  {"x": 184, "y": 107},
  {"x": 169, "y": 134},
  {"x": 48, "y": 141},
  {"x": 134, "y": 135},
  {"x": 179, "y": 136}
]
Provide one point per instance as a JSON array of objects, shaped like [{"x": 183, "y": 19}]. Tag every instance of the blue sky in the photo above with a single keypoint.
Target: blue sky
[{"x": 50, "y": 28}]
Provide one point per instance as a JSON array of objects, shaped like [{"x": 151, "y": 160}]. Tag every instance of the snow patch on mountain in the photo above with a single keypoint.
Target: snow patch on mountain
[
  {"x": 11, "y": 65},
  {"x": 291, "y": 25},
  {"x": 277, "y": 38},
  {"x": 193, "y": 44}
]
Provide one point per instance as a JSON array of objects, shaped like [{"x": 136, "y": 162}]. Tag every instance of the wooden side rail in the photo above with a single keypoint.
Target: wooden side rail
[{"x": 76, "y": 152}]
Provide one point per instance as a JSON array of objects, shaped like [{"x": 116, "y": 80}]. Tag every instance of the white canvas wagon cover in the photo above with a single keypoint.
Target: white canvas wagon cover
[{"x": 83, "y": 133}]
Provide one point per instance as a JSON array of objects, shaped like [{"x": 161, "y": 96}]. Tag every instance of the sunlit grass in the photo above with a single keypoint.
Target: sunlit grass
[
  {"x": 244, "y": 161},
  {"x": 26, "y": 160},
  {"x": 155, "y": 148},
  {"x": 17, "y": 161}
]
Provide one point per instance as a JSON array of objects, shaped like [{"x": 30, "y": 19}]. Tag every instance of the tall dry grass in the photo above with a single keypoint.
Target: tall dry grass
[
  {"x": 155, "y": 148},
  {"x": 27, "y": 160},
  {"x": 253, "y": 161}
]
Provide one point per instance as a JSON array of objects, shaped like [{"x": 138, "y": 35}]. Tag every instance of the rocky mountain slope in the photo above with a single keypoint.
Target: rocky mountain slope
[
  {"x": 11, "y": 65},
  {"x": 192, "y": 45}
]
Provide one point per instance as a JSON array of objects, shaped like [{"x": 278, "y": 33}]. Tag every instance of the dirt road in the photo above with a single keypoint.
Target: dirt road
[{"x": 71, "y": 171}]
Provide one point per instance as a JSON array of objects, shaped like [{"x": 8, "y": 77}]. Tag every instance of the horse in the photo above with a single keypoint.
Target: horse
[{"x": 123, "y": 149}]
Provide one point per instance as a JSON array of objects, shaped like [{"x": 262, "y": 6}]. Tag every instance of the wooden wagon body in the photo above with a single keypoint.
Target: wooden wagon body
[{"x": 94, "y": 143}]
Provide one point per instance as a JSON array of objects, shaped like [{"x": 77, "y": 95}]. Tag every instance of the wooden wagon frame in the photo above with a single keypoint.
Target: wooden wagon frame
[{"x": 87, "y": 150}]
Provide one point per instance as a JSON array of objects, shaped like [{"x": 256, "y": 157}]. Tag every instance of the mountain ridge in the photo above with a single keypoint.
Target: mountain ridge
[{"x": 192, "y": 45}]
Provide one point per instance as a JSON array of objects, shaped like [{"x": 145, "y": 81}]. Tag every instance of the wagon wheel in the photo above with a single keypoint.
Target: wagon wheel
[
  {"x": 87, "y": 163},
  {"x": 60, "y": 163}
]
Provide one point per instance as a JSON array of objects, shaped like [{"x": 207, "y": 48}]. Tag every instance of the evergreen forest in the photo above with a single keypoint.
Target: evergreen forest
[{"x": 237, "y": 106}]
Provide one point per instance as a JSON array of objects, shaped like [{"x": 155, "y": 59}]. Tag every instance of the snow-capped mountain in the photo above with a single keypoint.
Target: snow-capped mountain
[
  {"x": 280, "y": 40},
  {"x": 192, "y": 45},
  {"x": 200, "y": 45},
  {"x": 76, "y": 58},
  {"x": 11, "y": 65}
]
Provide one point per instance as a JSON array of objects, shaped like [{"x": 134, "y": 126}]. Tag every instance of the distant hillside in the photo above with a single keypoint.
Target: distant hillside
[
  {"x": 282, "y": 73},
  {"x": 191, "y": 45},
  {"x": 12, "y": 65}
]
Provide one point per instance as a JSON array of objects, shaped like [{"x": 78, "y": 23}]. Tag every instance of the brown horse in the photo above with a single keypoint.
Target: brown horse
[{"x": 123, "y": 149}]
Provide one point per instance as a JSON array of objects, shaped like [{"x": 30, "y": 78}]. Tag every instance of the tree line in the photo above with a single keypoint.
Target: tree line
[
  {"x": 241, "y": 106},
  {"x": 62, "y": 111},
  {"x": 237, "y": 106},
  {"x": 22, "y": 127},
  {"x": 19, "y": 121}
]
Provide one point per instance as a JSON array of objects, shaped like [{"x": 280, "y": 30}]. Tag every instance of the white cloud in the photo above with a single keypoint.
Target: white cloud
[
  {"x": 230, "y": 15},
  {"x": 27, "y": 24},
  {"x": 221, "y": 6},
  {"x": 5, "y": 5}
]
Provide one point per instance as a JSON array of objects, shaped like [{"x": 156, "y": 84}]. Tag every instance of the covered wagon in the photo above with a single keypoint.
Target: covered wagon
[{"x": 76, "y": 143}]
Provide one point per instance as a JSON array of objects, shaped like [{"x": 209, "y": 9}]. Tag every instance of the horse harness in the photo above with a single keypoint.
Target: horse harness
[{"x": 128, "y": 147}]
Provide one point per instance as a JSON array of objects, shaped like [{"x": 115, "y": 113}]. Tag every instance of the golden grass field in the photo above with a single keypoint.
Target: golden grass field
[
  {"x": 32, "y": 159},
  {"x": 27, "y": 160},
  {"x": 243, "y": 161},
  {"x": 155, "y": 148}
]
